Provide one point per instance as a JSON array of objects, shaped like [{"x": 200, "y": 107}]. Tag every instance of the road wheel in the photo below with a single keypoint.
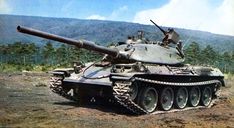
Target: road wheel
[
  {"x": 194, "y": 96},
  {"x": 181, "y": 97},
  {"x": 167, "y": 98},
  {"x": 206, "y": 96},
  {"x": 149, "y": 99}
]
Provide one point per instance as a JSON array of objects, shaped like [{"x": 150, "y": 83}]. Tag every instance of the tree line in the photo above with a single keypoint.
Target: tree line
[
  {"x": 195, "y": 55},
  {"x": 29, "y": 54}
]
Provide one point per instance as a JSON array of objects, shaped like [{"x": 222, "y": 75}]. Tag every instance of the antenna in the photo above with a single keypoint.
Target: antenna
[
  {"x": 186, "y": 42},
  {"x": 164, "y": 32}
]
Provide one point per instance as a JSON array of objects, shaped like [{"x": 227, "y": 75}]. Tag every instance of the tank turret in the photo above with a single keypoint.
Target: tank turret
[{"x": 127, "y": 53}]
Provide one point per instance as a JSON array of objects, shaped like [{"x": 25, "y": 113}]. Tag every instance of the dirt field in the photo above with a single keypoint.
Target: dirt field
[{"x": 26, "y": 101}]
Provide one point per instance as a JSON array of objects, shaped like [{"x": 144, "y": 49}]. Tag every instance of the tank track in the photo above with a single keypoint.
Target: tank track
[
  {"x": 121, "y": 93},
  {"x": 56, "y": 87},
  {"x": 121, "y": 90}
]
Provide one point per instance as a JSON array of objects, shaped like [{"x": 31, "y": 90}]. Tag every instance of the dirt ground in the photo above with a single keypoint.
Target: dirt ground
[{"x": 26, "y": 101}]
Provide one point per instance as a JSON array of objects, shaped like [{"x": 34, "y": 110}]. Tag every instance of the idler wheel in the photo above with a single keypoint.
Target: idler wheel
[
  {"x": 181, "y": 97},
  {"x": 149, "y": 99},
  {"x": 206, "y": 96},
  {"x": 194, "y": 96},
  {"x": 167, "y": 98}
]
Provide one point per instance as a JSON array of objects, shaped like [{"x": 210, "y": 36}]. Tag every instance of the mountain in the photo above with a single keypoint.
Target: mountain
[{"x": 101, "y": 32}]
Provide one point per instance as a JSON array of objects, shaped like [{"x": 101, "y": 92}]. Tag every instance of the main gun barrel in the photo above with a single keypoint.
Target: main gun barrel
[{"x": 78, "y": 43}]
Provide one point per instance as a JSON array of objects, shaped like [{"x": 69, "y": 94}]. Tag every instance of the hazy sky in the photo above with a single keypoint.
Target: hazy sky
[{"x": 216, "y": 16}]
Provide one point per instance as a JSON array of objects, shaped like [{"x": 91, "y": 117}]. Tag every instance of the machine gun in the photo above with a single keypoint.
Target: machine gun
[{"x": 170, "y": 35}]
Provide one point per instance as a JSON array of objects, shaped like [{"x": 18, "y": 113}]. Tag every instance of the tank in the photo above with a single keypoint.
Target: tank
[{"x": 141, "y": 75}]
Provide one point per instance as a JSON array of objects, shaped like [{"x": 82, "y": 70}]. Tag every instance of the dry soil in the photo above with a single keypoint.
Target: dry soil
[{"x": 26, "y": 101}]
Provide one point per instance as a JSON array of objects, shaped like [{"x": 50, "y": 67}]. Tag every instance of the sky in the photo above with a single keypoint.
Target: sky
[{"x": 216, "y": 16}]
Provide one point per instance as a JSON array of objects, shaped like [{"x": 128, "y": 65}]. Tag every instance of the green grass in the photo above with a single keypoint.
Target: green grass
[{"x": 19, "y": 68}]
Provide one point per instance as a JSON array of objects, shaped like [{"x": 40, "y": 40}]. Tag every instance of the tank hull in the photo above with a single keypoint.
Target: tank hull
[{"x": 103, "y": 83}]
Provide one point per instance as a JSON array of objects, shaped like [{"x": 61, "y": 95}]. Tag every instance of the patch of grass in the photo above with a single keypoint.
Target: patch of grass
[
  {"x": 11, "y": 68},
  {"x": 40, "y": 84},
  {"x": 229, "y": 76},
  {"x": 229, "y": 79}
]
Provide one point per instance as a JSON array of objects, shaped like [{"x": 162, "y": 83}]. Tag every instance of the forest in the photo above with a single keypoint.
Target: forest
[{"x": 28, "y": 56}]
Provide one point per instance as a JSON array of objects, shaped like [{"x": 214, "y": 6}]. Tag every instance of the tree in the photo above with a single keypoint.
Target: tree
[
  {"x": 232, "y": 57},
  {"x": 192, "y": 53},
  {"x": 209, "y": 56},
  {"x": 3, "y": 49},
  {"x": 48, "y": 53},
  {"x": 61, "y": 54},
  {"x": 31, "y": 48},
  {"x": 227, "y": 61}
]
